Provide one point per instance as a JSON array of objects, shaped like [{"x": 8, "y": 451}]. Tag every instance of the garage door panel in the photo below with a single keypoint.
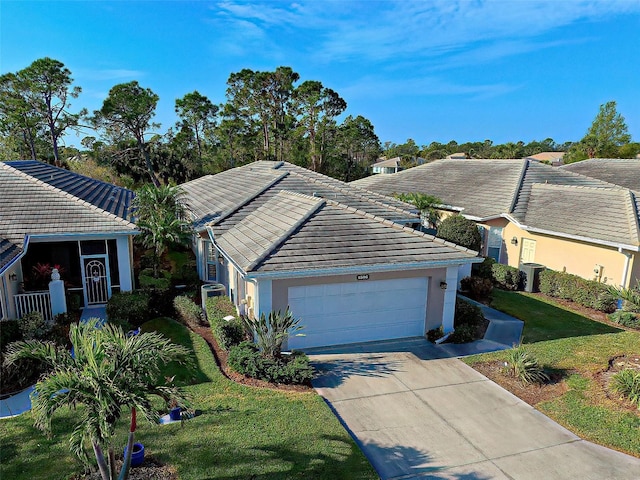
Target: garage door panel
[{"x": 340, "y": 313}]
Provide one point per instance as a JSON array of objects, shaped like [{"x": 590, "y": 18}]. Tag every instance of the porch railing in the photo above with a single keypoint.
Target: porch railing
[{"x": 34, "y": 302}]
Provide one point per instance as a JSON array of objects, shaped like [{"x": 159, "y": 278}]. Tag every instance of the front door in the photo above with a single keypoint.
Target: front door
[{"x": 95, "y": 276}]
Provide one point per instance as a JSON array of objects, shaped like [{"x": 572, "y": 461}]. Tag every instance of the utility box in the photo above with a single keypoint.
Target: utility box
[
  {"x": 532, "y": 273},
  {"x": 211, "y": 290}
]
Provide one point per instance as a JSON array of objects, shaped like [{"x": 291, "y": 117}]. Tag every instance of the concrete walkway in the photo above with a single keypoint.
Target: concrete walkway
[{"x": 421, "y": 417}]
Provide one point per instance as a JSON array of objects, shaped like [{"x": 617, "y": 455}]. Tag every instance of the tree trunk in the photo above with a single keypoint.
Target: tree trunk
[
  {"x": 102, "y": 465},
  {"x": 147, "y": 161}
]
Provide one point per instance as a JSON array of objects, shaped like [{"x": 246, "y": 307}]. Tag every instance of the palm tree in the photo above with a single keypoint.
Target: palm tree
[
  {"x": 108, "y": 373},
  {"x": 162, "y": 219},
  {"x": 429, "y": 214}
]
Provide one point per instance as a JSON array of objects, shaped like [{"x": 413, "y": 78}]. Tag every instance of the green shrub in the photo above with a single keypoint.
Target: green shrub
[
  {"x": 463, "y": 334},
  {"x": 476, "y": 287},
  {"x": 467, "y": 314},
  {"x": 219, "y": 307},
  {"x": 524, "y": 366},
  {"x": 588, "y": 293},
  {"x": 507, "y": 278},
  {"x": 9, "y": 332},
  {"x": 460, "y": 231},
  {"x": 627, "y": 384},
  {"x": 628, "y": 319},
  {"x": 271, "y": 331},
  {"x": 230, "y": 333},
  {"x": 246, "y": 359},
  {"x": 484, "y": 269},
  {"x": 128, "y": 309},
  {"x": 33, "y": 326},
  {"x": 188, "y": 312},
  {"x": 435, "y": 334},
  {"x": 148, "y": 282}
]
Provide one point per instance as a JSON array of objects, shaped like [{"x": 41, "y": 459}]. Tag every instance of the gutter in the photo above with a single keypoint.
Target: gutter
[{"x": 625, "y": 271}]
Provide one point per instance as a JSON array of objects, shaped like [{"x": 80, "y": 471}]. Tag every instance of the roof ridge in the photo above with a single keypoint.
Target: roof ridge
[
  {"x": 635, "y": 215},
  {"x": 355, "y": 191},
  {"x": 311, "y": 210},
  {"x": 248, "y": 198},
  {"x": 68, "y": 195},
  {"x": 519, "y": 184},
  {"x": 398, "y": 226},
  {"x": 613, "y": 187}
]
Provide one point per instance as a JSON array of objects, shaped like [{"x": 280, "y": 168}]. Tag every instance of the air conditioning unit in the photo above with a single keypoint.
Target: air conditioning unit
[{"x": 211, "y": 290}]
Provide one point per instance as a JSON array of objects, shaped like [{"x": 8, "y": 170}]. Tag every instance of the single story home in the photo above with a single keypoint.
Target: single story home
[
  {"x": 554, "y": 159},
  {"x": 345, "y": 261},
  {"x": 51, "y": 217},
  {"x": 530, "y": 212},
  {"x": 624, "y": 172},
  {"x": 391, "y": 165}
]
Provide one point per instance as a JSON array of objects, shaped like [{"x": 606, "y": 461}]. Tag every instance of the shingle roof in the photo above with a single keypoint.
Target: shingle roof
[
  {"x": 491, "y": 188},
  {"x": 607, "y": 214},
  {"x": 225, "y": 199},
  {"x": 299, "y": 233},
  {"x": 108, "y": 197},
  {"x": 392, "y": 162},
  {"x": 547, "y": 156},
  {"x": 30, "y": 206},
  {"x": 620, "y": 171}
]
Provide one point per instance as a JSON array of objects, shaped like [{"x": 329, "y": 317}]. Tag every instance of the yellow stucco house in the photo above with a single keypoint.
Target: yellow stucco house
[{"x": 581, "y": 218}]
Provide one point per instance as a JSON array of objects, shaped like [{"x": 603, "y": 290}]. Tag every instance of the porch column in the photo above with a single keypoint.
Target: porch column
[
  {"x": 449, "y": 308},
  {"x": 56, "y": 294},
  {"x": 124, "y": 264}
]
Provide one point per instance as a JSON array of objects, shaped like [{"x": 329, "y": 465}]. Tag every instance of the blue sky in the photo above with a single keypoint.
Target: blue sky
[{"x": 427, "y": 70}]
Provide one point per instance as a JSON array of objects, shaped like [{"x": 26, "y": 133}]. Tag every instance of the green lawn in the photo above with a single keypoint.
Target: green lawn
[
  {"x": 579, "y": 348},
  {"x": 544, "y": 320},
  {"x": 242, "y": 433}
]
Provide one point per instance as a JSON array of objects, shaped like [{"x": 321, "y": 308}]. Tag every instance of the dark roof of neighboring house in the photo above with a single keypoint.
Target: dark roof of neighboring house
[
  {"x": 213, "y": 199},
  {"x": 620, "y": 171},
  {"x": 277, "y": 217},
  {"x": 108, "y": 197},
  {"x": 31, "y": 206},
  {"x": 309, "y": 233},
  {"x": 483, "y": 189}
]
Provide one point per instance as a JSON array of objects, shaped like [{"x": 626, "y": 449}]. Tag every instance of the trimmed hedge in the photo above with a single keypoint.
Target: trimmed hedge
[
  {"x": 246, "y": 359},
  {"x": 188, "y": 312},
  {"x": 478, "y": 288},
  {"x": 467, "y": 314},
  {"x": 461, "y": 231},
  {"x": 128, "y": 309},
  {"x": 227, "y": 333},
  {"x": 506, "y": 277},
  {"x": 588, "y": 293}
]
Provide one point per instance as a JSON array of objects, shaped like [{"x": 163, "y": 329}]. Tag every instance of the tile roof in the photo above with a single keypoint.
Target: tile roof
[
  {"x": 547, "y": 156},
  {"x": 224, "y": 199},
  {"x": 607, "y": 214},
  {"x": 311, "y": 234},
  {"x": 491, "y": 188},
  {"x": 30, "y": 206},
  {"x": 482, "y": 187},
  {"x": 108, "y": 197},
  {"x": 620, "y": 171},
  {"x": 392, "y": 162}
]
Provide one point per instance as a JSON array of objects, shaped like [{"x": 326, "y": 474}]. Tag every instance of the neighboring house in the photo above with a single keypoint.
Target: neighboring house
[
  {"x": 52, "y": 216},
  {"x": 552, "y": 158},
  {"x": 457, "y": 156},
  {"x": 530, "y": 212},
  {"x": 342, "y": 259},
  {"x": 387, "y": 166},
  {"x": 624, "y": 172}
]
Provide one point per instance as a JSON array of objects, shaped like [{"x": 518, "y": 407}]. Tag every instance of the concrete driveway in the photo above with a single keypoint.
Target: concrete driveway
[{"x": 416, "y": 417}]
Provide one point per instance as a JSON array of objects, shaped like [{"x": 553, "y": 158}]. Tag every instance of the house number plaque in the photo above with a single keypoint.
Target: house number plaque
[{"x": 363, "y": 277}]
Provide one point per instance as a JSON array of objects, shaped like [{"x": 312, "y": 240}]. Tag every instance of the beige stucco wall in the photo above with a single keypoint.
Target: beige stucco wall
[
  {"x": 578, "y": 258},
  {"x": 435, "y": 296}
]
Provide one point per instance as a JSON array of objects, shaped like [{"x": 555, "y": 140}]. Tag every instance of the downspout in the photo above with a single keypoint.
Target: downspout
[{"x": 625, "y": 270}]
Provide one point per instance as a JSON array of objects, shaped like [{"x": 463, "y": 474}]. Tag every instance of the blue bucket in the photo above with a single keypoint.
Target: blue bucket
[{"x": 137, "y": 454}]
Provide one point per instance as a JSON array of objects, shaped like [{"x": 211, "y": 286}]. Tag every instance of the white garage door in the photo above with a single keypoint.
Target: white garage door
[{"x": 363, "y": 311}]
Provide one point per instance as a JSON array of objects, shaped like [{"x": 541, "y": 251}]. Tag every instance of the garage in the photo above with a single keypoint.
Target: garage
[{"x": 363, "y": 311}]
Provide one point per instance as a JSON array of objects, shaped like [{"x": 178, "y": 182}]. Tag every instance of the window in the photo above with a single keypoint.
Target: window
[
  {"x": 211, "y": 262},
  {"x": 494, "y": 243}
]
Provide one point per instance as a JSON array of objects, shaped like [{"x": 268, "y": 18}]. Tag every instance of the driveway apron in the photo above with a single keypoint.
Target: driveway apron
[{"x": 417, "y": 416}]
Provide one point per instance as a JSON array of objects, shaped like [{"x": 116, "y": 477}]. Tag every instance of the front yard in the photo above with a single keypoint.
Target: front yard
[
  {"x": 242, "y": 432},
  {"x": 580, "y": 355}
]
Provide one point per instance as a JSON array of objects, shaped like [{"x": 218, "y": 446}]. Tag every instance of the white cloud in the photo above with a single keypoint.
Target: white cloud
[{"x": 109, "y": 74}]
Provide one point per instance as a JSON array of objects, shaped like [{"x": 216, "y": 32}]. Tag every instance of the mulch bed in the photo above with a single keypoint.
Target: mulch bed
[
  {"x": 221, "y": 359},
  {"x": 617, "y": 364},
  {"x": 151, "y": 469}
]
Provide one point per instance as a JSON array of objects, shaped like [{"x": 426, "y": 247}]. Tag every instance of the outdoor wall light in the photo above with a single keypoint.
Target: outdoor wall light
[
  {"x": 514, "y": 241},
  {"x": 220, "y": 259},
  {"x": 443, "y": 285},
  {"x": 13, "y": 277}
]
